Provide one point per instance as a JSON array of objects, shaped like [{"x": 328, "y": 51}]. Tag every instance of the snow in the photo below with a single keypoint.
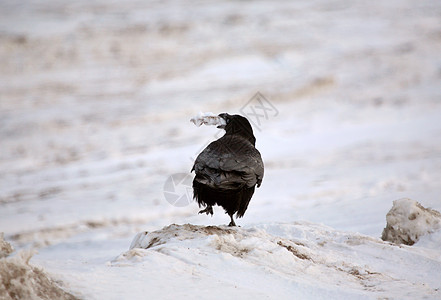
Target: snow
[
  {"x": 5, "y": 247},
  {"x": 207, "y": 118},
  {"x": 95, "y": 98},
  {"x": 408, "y": 220},
  {"x": 20, "y": 280},
  {"x": 431, "y": 241},
  {"x": 287, "y": 260}
]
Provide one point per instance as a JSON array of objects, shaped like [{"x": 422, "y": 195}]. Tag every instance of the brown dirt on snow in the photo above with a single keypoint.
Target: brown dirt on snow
[{"x": 20, "y": 280}]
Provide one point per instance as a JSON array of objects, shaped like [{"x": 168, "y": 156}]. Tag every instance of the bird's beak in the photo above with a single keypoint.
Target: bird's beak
[{"x": 225, "y": 117}]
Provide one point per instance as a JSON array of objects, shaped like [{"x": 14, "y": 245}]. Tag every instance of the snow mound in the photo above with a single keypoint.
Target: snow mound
[
  {"x": 300, "y": 260},
  {"x": 20, "y": 280},
  {"x": 408, "y": 221},
  {"x": 207, "y": 118}
]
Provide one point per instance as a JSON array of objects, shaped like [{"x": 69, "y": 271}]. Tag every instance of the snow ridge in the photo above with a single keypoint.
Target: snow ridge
[{"x": 292, "y": 255}]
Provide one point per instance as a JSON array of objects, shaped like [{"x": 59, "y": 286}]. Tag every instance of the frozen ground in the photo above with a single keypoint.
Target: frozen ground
[{"x": 95, "y": 102}]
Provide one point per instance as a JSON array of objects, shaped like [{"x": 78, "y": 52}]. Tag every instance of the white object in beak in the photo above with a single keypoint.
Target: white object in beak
[{"x": 207, "y": 118}]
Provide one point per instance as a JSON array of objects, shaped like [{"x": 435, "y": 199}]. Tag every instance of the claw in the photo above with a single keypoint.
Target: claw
[{"x": 208, "y": 210}]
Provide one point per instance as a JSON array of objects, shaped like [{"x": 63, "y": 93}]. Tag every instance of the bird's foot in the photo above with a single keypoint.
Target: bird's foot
[
  {"x": 208, "y": 210},
  {"x": 232, "y": 222}
]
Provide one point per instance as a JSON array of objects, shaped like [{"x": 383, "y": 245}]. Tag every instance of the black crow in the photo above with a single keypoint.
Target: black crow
[{"x": 228, "y": 169}]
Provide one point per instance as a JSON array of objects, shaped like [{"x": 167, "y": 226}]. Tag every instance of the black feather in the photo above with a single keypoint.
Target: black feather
[{"x": 228, "y": 169}]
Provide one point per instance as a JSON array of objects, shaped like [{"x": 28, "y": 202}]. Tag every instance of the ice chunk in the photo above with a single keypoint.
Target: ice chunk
[
  {"x": 207, "y": 118},
  {"x": 408, "y": 220}
]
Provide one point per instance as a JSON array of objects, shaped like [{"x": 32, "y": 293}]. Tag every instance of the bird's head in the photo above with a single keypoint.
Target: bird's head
[{"x": 236, "y": 124}]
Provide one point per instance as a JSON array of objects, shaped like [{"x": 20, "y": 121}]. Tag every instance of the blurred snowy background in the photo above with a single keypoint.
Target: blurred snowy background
[{"x": 96, "y": 97}]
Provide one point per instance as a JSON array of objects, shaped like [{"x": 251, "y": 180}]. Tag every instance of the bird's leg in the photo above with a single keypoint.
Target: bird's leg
[
  {"x": 207, "y": 210},
  {"x": 232, "y": 221}
]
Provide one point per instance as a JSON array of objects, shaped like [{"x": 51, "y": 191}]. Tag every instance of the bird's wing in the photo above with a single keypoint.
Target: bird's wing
[{"x": 228, "y": 163}]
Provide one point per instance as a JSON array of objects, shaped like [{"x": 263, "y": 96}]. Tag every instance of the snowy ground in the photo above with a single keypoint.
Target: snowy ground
[{"x": 95, "y": 102}]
